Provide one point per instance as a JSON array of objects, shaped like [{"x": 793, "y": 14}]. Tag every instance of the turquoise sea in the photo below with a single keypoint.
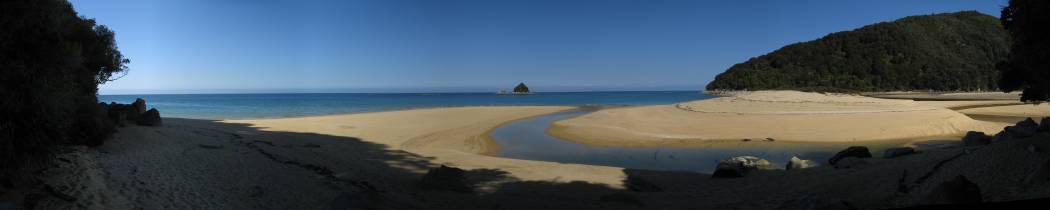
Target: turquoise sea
[{"x": 249, "y": 106}]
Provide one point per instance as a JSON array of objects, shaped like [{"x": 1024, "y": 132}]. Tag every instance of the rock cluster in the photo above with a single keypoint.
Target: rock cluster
[
  {"x": 121, "y": 114},
  {"x": 798, "y": 163},
  {"x": 739, "y": 166},
  {"x": 976, "y": 138},
  {"x": 1023, "y": 129}
]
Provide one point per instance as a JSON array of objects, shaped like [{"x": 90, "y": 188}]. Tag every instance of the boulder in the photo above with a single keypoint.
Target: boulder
[
  {"x": 446, "y": 179},
  {"x": 131, "y": 111},
  {"x": 897, "y": 152},
  {"x": 956, "y": 191},
  {"x": 850, "y": 162},
  {"x": 976, "y": 138},
  {"x": 1044, "y": 125},
  {"x": 150, "y": 118},
  {"x": 798, "y": 163},
  {"x": 1023, "y": 129},
  {"x": 854, "y": 151},
  {"x": 139, "y": 106},
  {"x": 117, "y": 113},
  {"x": 739, "y": 166}
]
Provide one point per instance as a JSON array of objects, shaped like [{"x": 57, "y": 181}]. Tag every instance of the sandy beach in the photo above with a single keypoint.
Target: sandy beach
[
  {"x": 946, "y": 96},
  {"x": 374, "y": 160},
  {"x": 451, "y": 136},
  {"x": 778, "y": 115}
]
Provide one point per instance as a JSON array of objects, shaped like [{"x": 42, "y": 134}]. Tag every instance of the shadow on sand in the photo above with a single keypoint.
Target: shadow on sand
[{"x": 227, "y": 165}]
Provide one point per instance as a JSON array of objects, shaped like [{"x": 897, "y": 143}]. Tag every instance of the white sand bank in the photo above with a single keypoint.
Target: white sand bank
[{"x": 780, "y": 115}]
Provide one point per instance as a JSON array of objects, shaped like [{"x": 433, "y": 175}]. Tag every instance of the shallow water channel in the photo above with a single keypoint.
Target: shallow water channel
[{"x": 527, "y": 139}]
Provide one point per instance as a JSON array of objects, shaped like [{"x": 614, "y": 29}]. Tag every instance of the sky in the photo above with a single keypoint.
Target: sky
[{"x": 262, "y": 46}]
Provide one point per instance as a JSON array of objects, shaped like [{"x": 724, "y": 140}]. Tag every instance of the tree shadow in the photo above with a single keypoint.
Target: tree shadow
[
  {"x": 242, "y": 166},
  {"x": 233, "y": 165}
]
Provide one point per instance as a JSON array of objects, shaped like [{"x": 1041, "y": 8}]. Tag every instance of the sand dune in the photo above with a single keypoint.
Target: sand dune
[{"x": 780, "y": 115}]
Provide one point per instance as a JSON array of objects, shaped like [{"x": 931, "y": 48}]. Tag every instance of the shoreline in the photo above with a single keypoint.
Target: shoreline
[
  {"x": 458, "y": 136},
  {"x": 195, "y": 164}
]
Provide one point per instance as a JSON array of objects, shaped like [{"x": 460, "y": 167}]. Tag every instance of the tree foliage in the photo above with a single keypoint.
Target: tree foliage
[
  {"x": 1028, "y": 65},
  {"x": 951, "y": 51},
  {"x": 51, "y": 63}
]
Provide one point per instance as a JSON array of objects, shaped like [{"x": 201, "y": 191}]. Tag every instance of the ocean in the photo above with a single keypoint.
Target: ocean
[{"x": 255, "y": 106}]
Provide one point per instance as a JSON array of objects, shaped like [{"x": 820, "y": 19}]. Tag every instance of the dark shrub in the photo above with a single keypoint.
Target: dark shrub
[
  {"x": 51, "y": 63},
  {"x": 1027, "y": 67}
]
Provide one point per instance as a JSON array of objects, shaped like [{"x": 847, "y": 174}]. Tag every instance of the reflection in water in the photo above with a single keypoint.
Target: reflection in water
[{"x": 526, "y": 139}]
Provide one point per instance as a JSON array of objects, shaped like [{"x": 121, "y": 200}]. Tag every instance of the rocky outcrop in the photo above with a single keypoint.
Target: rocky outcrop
[
  {"x": 521, "y": 88},
  {"x": 1023, "y": 129},
  {"x": 149, "y": 118},
  {"x": 139, "y": 106},
  {"x": 854, "y": 151},
  {"x": 1044, "y": 125},
  {"x": 976, "y": 138},
  {"x": 797, "y": 163},
  {"x": 135, "y": 109},
  {"x": 956, "y": 191},
  {"x": 739, "y": 166},
  {"x": 117, "y": 114},
  {"x": 897, "y": 152},
  {"x": 446, "y": 178},
  {"x": 136, "y": 112}
]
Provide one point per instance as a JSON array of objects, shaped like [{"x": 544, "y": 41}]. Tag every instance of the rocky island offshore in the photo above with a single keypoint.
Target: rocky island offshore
[{"x": 521, "y": 89}]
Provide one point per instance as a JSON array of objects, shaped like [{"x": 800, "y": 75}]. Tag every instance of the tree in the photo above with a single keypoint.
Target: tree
[
  {"x": 51, "y": 63},
  {"x": 521, "y": 88},
  {"x": 1027, "y": 67}
]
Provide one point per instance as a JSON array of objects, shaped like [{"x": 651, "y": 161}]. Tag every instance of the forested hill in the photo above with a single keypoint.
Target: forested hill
[{"x": 950, "y": 51}]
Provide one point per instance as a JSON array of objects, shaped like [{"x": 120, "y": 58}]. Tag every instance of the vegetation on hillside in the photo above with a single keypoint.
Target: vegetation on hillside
[
  {"x": 51, "y": 63},
  {"x": 1028, "y": 65},
  {"x": 951, "y": 51}
]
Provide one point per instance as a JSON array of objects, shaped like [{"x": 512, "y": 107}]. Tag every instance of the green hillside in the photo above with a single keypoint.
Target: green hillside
[{"x": 951, "y": 51}]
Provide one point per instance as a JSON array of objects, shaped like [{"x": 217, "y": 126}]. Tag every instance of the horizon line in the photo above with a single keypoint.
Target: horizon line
[{"x": 441, "y": 92}]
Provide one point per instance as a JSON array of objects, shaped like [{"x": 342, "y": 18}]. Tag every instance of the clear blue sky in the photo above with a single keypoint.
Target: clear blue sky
[{"x": 211, "y": 46}]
